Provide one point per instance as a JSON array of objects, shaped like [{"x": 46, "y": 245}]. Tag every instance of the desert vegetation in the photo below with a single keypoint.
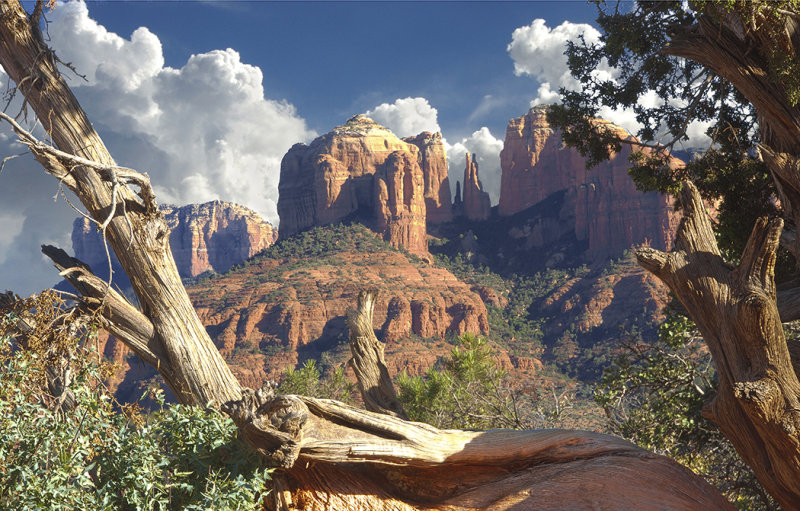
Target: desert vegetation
[{"x": 64, "y": 439}]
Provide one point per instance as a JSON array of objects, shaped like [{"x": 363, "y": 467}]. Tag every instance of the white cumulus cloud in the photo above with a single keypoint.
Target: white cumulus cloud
[
  {"x": 204, "y": 131},
  {"x": 538, "y": 51},
  {"x": 406, "y": 116},
  {"x": 487, "y": 148}
]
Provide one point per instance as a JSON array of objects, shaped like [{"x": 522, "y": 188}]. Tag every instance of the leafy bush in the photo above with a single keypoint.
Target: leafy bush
[
  {"x": 308, "y": 381},
  {"x": 653, "y": 395},
  {"x": 91, "y": 455},
  {"x": 470, "y": 391}
]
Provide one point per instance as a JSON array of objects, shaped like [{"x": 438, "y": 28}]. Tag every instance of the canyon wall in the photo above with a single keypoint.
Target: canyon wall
[
  {"x": 205, "y": 237},
  {"x": 601, "y": 204}
]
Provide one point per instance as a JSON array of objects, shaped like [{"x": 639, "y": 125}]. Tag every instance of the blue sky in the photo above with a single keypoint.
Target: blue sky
[
  {"x": 207, "y": 97},
  {"x": 334, "y": 59}
]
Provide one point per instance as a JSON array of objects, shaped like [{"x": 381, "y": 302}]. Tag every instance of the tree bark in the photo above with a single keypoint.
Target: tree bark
[
  {"x": 332, "y": 456},
  {"x": 738, "y": 310},
  {"x": 137, "y": 231},
  {"x": 339, "y": 457},
  {"x": 757, "y": 405},
  {"x": 368, "y": 361}
]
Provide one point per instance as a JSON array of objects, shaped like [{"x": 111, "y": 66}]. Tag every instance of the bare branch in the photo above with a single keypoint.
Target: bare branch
[
  {"x": 56, "y": 158},
  {"x": 368, "y": 362}
]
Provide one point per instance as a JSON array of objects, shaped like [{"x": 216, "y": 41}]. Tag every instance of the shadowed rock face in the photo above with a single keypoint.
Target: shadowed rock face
[
  {"x": 602, "y": 204},
  {"x": 433, "y": 161},
  {"x": 476, "y": 203},
  {"x": 360, "y": 169},
  {"x": 205, "y": 237}
]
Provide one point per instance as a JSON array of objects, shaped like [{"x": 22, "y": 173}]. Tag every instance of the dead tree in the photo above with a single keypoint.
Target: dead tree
[
  {"x": 368, "y": 361},
  {"x": 330, "y": 456}
]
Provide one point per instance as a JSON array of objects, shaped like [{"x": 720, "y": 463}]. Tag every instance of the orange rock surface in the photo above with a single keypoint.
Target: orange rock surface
[
  {"x": 608, "y": 212},
  {"x": 361, "y": 169},
  {"x": 275, "y": 313}
]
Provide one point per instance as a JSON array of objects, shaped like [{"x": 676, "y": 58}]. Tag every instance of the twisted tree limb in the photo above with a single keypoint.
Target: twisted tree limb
[
  {"x": 368, "y": 361},
  {"x": 757, "y": 405}
]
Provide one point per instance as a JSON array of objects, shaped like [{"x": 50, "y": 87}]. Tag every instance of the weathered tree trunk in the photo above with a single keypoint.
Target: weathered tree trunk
[
  {"x": 137, "y": 231},
  {"x": 757, "y": 405},
  {"x": 738, "y": 310},
  {"x": 332, "y": 456},
  {"x": 368, "y": 362}
]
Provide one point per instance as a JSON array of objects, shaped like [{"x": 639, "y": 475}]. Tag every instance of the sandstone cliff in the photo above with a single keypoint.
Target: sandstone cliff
[
  {"x": 600, "y": 205},
  {"x": 205, "y": 237},
  {"x": 476, "y": 203},
  {"x": 433, "y": 161},
  {"x": 357, "y": 170}
]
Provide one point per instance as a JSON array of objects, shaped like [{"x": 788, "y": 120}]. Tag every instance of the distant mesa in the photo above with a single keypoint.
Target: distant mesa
[
  {"x": 601, "y": 205},
  {"x": 362, "y": 171},
  {"x": 210, "y": 237}
]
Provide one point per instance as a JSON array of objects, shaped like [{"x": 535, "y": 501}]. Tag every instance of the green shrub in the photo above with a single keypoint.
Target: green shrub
[
  {"x": 99, "y": 455},
  {"x": 308, "y": 381},
  {"x": 654, "y": 394},
  {"x": 470, "y": 391}
]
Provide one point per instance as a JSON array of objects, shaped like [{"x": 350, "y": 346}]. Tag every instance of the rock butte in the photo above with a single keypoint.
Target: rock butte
[
  {"x": 433, "y": 162},
  {"x": 205, "y": 237},
  {"x": 605, "y": 208},
  {"x": 476, "y": 203},
  {"x": 361, "y": 170}
]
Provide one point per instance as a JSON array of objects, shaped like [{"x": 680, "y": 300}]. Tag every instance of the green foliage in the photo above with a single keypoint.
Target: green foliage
[
  {"x": 325, "y": 240},
  {"x": 653, "y": 395},
  {"x": 308, "y": 381},
  {"x": 91, "y": 456},
  {"x": 729, "y": 172},
  {"x": 468, "y": 390}
]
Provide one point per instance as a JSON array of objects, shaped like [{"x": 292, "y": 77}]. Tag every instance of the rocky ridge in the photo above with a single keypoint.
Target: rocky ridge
[
  {"x": 205, "y": 237},
  {"x": 600, "y": 205},
  {"x": 290, "y": 304}
]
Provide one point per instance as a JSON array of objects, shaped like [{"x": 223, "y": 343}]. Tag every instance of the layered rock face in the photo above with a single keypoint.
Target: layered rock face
[
  {"x": 272, "y": 323},
  {"x": 476, "y": 203},
  {"x": 433, "y": 161},
  {"x": 601, "y": 205},
  {"x": 205, "y": 237},
  {"x": 360, "y": 169},
  {"x": 399, "y": 207}
]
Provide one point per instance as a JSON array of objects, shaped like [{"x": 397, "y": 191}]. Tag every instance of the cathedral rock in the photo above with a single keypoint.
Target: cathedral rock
[
  {"x": 362, "y": 170},
  {"x": 600, "y": 205}
]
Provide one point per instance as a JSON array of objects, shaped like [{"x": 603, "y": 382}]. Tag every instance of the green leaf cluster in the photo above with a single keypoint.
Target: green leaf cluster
[
  {"x": 100, "y": 455},
  {"x": 654, "y": 394}
]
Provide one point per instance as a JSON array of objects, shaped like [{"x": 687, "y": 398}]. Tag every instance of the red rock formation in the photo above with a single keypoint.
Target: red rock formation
[
  {"x": 433, "y": 161},
  {"x": 361, "y": 169},
  {"x": 261, "y": 325},
  {"x": 607, "y": 210},
  {"x": 476, "y": 203},
  {"x": 211, "y": 236},
  {"x": 400, "y": 208},
  {"x": 215, "y": 236}
]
